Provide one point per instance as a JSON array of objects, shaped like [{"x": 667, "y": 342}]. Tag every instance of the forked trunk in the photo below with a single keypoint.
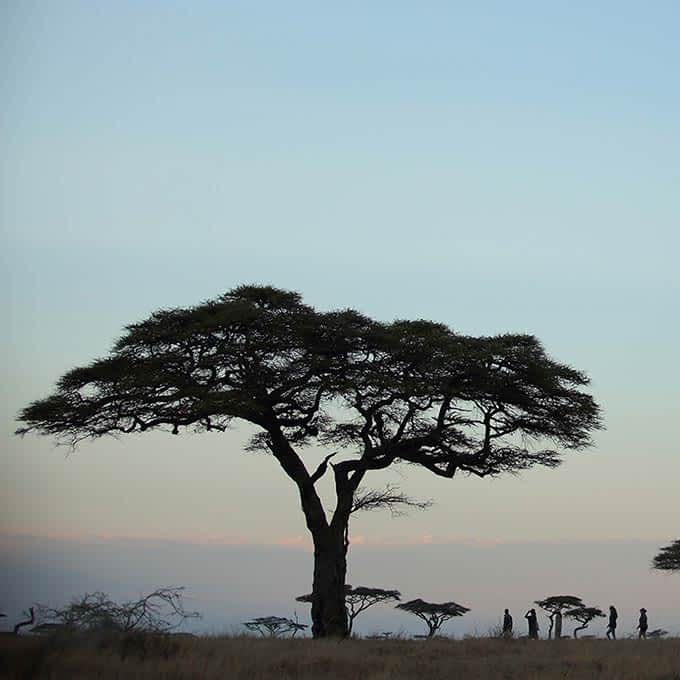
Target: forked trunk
[{"x": 329, "y": 613}]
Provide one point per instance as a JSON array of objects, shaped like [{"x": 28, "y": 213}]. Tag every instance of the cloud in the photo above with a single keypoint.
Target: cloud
[{"x": 294, "y": 542}]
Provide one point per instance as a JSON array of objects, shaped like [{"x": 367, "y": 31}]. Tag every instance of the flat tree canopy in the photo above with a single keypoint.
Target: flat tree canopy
[
  {"x": 376, "y": 394},
  {"x": 434, "y": 614},
  {"x": 584, "y": 615},
  {"x": 668, "y": 558}
]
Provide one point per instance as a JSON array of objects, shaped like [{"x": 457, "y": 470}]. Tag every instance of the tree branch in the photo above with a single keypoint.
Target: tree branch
[{"x": 390, "y": 498}]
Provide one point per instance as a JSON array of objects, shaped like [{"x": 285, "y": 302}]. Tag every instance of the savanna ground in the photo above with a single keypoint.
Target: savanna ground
[{"x": 241, "y": 658}]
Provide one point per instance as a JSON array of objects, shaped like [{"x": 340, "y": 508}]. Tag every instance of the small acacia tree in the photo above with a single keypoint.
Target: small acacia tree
[
  {"x": 668, "y": 558},
  {"x": 275, "y": 626},
  {"x": 584, "y": 615},
  {"x": 555, "y": 606},
  {"x": 359, "y": 599},
  {"x": 379, "y": 394},
  {"x": 433, "y": 614}
]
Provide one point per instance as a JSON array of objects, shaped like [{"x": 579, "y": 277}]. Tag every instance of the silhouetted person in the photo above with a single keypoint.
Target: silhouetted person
[
  {"x": 642, "y": 624},
  {"x": 507, "y": 624},
  {"x": 611, "y": 626},
  {"x": 530, "y": 616}
]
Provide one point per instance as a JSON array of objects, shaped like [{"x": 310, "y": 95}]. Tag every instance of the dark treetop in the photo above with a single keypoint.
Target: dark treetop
[
  {"x": 413, "y": 391},
  {"x": 668, "y": 558},
  {"x": 434, "y": 614},
  {"x": 559, "y": 603}
]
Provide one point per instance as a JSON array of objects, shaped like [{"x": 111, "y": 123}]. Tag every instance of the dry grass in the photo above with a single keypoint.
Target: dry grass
[{"x": 253, "y": 659}]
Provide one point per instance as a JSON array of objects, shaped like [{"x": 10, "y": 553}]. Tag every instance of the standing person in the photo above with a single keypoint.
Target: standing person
[
  {"x": 642, "y": 624},
  {"x": 532, "y": 620},
  {"x": 507, "y": 624},
  {"x": 611, "y": 626}
]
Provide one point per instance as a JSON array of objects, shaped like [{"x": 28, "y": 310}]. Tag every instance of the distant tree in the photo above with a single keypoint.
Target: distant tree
[
  {"x": 359, "y": 599},
  {"x": 433, "y": 614},
  {"x": 657, "y": 634},
  {"x": 274, "y": 626},
  {"x": 584, "y": 615},
  {"x": 159, "y": 611},
  {"x": 381, "y": 394},
  {"x": 555, "y": 606},
  {"x": 668, "y": 558}
]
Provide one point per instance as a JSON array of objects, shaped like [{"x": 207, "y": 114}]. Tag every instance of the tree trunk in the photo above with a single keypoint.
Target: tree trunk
[
  {"x": 329, "y": 612},
  {"x": 576, "y": 630},
  {"x": 558, "y": 626}
]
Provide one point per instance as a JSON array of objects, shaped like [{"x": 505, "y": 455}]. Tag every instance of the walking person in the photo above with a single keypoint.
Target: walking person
[
  {"x": 611, "y": 626},
  {"x": 532, "y": 620},
  {"x": 642, "y": 624},
  {"x": 507, "y": 624}
]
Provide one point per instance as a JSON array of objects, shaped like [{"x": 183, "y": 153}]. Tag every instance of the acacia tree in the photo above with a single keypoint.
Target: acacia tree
[
  {"x": 434, "y": 614},
  {"x": 275, "y": 626},
  {"x": 555, "y": 606},
  {"x": 584, "y": 615},
  {"x": 668, "y": 558},
  {"x": 358, "y": 600},
  {"x": 411, "y": 392},
  {"x": 159, "y": 611}
]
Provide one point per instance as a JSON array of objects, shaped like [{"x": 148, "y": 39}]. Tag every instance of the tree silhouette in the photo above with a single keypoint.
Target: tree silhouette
[
  {"x": 274, "y": 626},
  {"x": 668, "y": 558},
  {"x": 376, "y": 394},
  {"x": 555, "y": 606},
  {"x": 433, "y": 614},
  {"x": 358, "y": 600},
  {"x": 159, "y": 611},
  {"x": 584, "y": 615}
]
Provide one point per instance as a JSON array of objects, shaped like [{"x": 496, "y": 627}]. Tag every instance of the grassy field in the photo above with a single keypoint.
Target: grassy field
[{"x": 254, "y": 659}]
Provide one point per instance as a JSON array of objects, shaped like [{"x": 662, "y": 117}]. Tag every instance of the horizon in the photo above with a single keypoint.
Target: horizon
[{"x": 232, "y": 583}]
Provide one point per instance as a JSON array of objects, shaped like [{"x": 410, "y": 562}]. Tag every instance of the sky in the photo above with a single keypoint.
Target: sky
[{"x": 493, "y": 166}]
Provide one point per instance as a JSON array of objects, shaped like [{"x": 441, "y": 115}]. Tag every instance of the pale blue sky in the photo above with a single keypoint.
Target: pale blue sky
[{"x": 495, "y": 166}]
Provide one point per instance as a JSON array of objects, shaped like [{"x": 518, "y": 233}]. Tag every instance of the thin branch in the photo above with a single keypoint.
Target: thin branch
[{"x": 390, "y": 498}]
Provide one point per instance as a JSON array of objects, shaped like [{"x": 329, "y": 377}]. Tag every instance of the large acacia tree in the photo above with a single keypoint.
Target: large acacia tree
[{"x": 375, "y": 394}]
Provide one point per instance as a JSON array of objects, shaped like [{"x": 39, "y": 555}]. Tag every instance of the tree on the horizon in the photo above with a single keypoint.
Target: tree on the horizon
[
  {"x": 584, "y": 615},
  {"x": 374, "y": 394},
  {"x": 159, "y": 611},
  {"x": 275, "y": 626},
  {"x": 434, "y": 614},
  {"x": 657, "y": 634},
  {"x": 555, "y": 606},
  {"x": 668, "y": 558},
  {"x": 358, "y": 600}
]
